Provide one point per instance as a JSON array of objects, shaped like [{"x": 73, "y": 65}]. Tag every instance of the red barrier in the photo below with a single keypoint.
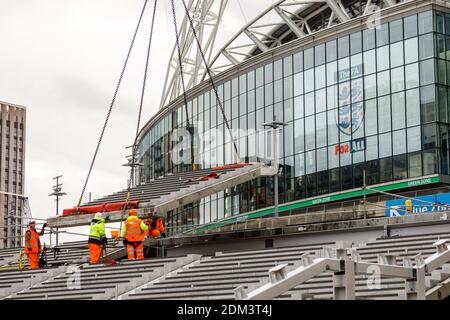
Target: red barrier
[{"x": 104, "y": 207}]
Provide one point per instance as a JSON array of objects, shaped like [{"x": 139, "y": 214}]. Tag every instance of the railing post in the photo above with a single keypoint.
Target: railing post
[{"x": 415, "y": 288}]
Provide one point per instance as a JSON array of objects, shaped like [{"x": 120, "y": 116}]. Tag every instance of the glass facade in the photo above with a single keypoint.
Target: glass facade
[{"x": 376, "y": 100}]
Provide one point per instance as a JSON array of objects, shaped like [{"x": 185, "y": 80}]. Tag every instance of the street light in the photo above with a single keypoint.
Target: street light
[{"x": 275, "y": 125}]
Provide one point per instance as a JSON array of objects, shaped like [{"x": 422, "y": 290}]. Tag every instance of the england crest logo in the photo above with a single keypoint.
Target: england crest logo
[{"x": 349, "y": 118}]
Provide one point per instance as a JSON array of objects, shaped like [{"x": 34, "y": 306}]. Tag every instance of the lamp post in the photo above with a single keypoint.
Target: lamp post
[
  {"x": 274, "y": 126},
  {"x": 57, "y": 192},
  {"x": 133, "y": 164}
]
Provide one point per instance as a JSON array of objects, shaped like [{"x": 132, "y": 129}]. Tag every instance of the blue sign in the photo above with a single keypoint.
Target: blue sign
[{"x": 397, "y": 207}]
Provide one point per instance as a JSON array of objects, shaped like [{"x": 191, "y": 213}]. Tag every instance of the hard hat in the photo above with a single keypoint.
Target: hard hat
[
  {"x": 133, "y": 212},
  {"x": 98, "y": 215}
]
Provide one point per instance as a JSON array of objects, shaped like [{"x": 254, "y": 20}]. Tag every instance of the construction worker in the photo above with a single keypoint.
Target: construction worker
[
  {"x": 156, "y": 228},
  {"x": 97, "y": 238},
  {"x": 33, "y": 244},
  {"x": 133, "y": 233}
]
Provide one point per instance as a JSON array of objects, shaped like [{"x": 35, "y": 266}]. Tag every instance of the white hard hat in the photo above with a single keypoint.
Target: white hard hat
[{"x": 98, "y": 215}]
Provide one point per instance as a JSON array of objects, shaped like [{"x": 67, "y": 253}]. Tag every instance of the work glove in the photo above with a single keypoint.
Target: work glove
[
  {"x": 107, "y": 218},
  {"x": 125, "y": 242},
  {"x": 29, "y": 248},
  {"x": 104, "y": 241},
  {"x": 45, "y": 225}
]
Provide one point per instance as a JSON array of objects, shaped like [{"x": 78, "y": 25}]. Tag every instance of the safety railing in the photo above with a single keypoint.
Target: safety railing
[{"x": 345, "y": 268}]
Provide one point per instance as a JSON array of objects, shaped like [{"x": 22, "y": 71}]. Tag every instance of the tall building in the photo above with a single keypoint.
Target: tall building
[{"x": 12, "y": 173}]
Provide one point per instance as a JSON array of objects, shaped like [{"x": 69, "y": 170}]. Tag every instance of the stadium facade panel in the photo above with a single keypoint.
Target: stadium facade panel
[{"x": 361, "y": 101}]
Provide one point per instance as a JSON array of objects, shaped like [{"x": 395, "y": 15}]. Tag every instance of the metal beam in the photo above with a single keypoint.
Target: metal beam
[
  {"x": 291, "y": 24},
  {"x": 340, "y": 14},
  {"x": 261, "y": 45}
]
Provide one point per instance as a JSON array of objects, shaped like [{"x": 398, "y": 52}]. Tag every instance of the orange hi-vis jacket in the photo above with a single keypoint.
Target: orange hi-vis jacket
[
  {"x": 33, "y": 243},
  {"x": 134, "y": 229}
]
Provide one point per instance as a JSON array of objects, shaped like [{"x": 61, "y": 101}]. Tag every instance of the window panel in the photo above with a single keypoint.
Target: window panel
[
  {"x": 333, "y": 131},
  {"x": 383, "y": 58},
  {"x": 410, "y": 26},
  {"x": 332, "y": 97},
  {"x": 308, "y": 58},
  {"x": 382, "y": 35},
  {"x": 427, "y": 106},
  {"x": 383, "y": 83},
  {"x": 399, "y": 142},
  {"x": 343, "y": 47},
  {"x": 371, "y": 117},
  {"x": 396, "y": 30},
  {"x": 412, "y": 108},
  {"x": 331, "y": 48},
  {"x": 414, "y": 139},
  {"x": 384, "y": 114},
  {"x": 310, "y": 159},
  {"x": 356, "y": 42},
  {"x": 412, "y": 75},
  {"x": 398, "y": 111},
  {"x": 309, "y": 104},
  {"x": 370, "y": 86},
  {"x": 309, "y": 80},
  {"x": 319, "y": 52},
  {"x": 426, "y": 46},
  {"x": 425, "y": 20},
  {"x": 396, "y": 54},
  {"x": 385, "y": 145},
  {"x": 298, "y": 62},
  {"x": 372, "y": 148},
  {"x": 331, "y": 73},
  {"x": 369, "y": 62},
  {"x": 298, "y": 107},
  {"x": 368, "y": 39},
  {"x": 320, "y": 77},
  {"x": 310, "y": 133},
  {"x": 298, "y": 84},
  {"x": 397, "y": 79},
  {"x": 299, "y": 132},
  {"x": 321, "y": 100},
  {"x": 411, "y": 50},
  {"x": 321, "y": 129}
]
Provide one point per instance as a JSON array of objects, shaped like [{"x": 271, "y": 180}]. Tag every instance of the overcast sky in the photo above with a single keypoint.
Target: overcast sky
[{"x": 61, "y": 59}]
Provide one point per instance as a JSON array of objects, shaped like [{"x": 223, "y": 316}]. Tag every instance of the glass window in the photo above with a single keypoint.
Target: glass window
[
  {"x": 278, "y": 110},
  {"x": 321, "y": 127},
  {"x": 425, "y": 22},
  {"x": 398, "y": 111},
  {"x": 427, "y": 98},
  {"x": 385, "y": 145},
  {"x": 310, "y": 133},
  {"x": 383, "y": 83},
  {"x": 426, "y": 46},
  {"x": 414, "y": 139},
  {"x": 298, "y": 107},
  {"x": 369, "y": 39},
  {"x": 322, "y": 161},
  {"x": 440, "y": 47},
  {"x": 429, "y": 162},
  {"x": 331, "y": 50},
  {"x": 333, "y": 133},
  {"x": 396, "y": 54},
  {"x": 309, "y": 104},
  {"x": 268, "y": 73},
  {"x": 251, "y": 100},
  {"x": 310, "y": 158},
  {"x": 372, "y": 148},
  {"x": 278, "y": 69},
  {"x": 415, "y": 164},
  {"x": 412, "y": 107},
  {"x": 427, "y": 72},
  {"x": 251, "y": 80},
  {"x": 369, "y": 62},
  {"x": 299, "y": 136},
  {"x": 298, "y": 84},
  {"x": 410, "y": 25},
  {"x": 411, "y": 50},
  {"x": 308, "y": 58},
  {"x": 356, "y": 42},
  {"x": 259, "y": 77},
  {"x": 385, "y": 168},
  {"x": 356, "y": 63},
  {"x": 288, "y": 140},
  {"x": 288, "y": 110},
  {"x": 383, "y": 58},
  {"x": 371, "y": 117},
  {"x": 382, "y": 35},
  {"x": 397, "y": 79},
  {"x": 384, "y": 114},
  {"x": 278, "y": 90},
  {"x": 396, "y": 30},
  {"x": 331, "y": 73},
  {"x": 321, "y": 100},
  {"x": 333, "y": 156},
  {"x": 298, "y": 62},
  {"x": 429, "y": 136},
  {"x": 287, "y": 87},
  {"x": 399, "y": 142},
  {"x": 343, "y": 47},
  {"x": 412, "y": 75},
  {"x": 319, "y": 52},
  {"x": 309, "y": 80},
  {"x": 299, "y": 165},
  {"x": 400, "y": 167},
  {"x": 287, "y": 66},
  {"x": 332, "y": 97},
  {"x": 268, "y": 94},
  {"x": 320, "y": 77}
]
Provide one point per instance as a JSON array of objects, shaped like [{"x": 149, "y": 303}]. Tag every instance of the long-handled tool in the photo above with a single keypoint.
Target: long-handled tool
[{"x": 104, "y": 255}]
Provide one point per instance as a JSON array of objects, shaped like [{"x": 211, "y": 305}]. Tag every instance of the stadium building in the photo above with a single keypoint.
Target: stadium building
[{"x": 365, "y": 97}]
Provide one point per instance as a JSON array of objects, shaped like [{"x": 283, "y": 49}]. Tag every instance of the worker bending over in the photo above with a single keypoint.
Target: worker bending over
[
  {"x": 133, "y": 233},
  {"x": 33, "y": 244},
  {"x": 97, "y": 238},
  {"x": 156, "y": 228}
]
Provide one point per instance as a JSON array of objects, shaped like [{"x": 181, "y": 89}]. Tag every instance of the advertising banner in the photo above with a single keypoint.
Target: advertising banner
[{"x": 399, "y": 207}]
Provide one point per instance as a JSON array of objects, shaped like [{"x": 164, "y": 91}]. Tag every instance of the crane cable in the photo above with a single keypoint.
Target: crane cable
[
  {"x": 183, "y": 84},
  {"x": 219, "y": 102},
  {"x": 141, "y": 103},
  {"x": 112, "y": 104}
]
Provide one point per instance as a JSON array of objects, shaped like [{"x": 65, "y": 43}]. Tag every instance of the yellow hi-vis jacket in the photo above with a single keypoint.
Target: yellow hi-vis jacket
[{"x": 142, "y": 226}]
